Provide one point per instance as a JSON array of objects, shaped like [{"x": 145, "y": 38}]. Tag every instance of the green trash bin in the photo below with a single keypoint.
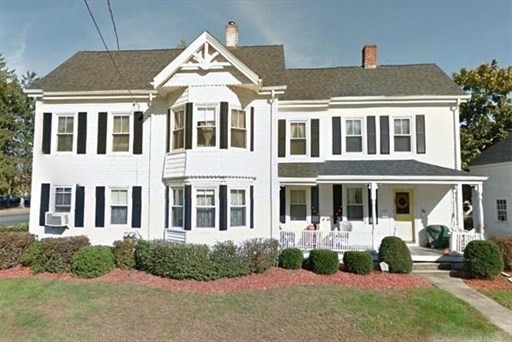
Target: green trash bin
[{"x": 438, "y": 236}]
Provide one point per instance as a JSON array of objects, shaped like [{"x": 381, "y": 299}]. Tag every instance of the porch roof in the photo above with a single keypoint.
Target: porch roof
[{"x": 373, "y": 170}]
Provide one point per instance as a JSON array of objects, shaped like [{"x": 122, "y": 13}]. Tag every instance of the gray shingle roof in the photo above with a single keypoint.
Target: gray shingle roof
[
  {"x": 365, "y": 168},
  {"x": 501, "y": 152},
  {"x": 385, "y": 80},
  {"x": 93, "y": 70}
]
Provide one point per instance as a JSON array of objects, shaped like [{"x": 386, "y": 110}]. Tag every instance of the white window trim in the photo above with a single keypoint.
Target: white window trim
[
  {"x": 54, "y": 197},
  {"x": 194, "y": 206},
  {"x": 55, "y": 136},
  {"x": 247, "y": 206},
  {"x": 247, "y": 123},
  {"x": 344, "y": 135},
  {"x": 171, "y": 140},
  {"x": 289, "y": 138},
  {"x": 109, "y": 206},
  {"x": 364, "y": 200},
  {"x": 289, "y": 189},
  {"x": 110, "y": 133},
  {"x": 412, "y": 133},
  {"x": 171, "y": 205},
  {"x": 195, "y": 117}
]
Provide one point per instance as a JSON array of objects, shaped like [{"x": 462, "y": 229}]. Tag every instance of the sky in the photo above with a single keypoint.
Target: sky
[{"x": 39, "y": 35}]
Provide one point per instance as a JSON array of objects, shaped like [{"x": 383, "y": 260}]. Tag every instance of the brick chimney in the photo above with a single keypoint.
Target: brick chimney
[
  {"x": 232, "y": 34},
  {"x": 370, "y": 56}
]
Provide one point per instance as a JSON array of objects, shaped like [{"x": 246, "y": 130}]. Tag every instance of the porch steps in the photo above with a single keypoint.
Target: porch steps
[{"x": 433, "y": 267}]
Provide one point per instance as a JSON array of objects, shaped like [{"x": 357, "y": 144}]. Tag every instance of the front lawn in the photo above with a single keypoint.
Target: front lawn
[
  {"x": 504, "y": 297},
  {"x": 58, "y": 310}
]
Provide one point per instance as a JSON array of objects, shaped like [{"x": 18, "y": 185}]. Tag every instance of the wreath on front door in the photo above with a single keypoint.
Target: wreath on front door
[{"x": 402, "y": 201}]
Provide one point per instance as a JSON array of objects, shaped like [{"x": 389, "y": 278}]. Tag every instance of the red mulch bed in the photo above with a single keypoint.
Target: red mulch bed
[
  {"x": 273, "y": 278},
  {"x": 499, "y": 283}
]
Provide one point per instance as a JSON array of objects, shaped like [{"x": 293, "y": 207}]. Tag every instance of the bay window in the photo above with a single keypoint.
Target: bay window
[
  {"x": 205, "y": 208},
  {"x": 238, "y": 128},
  {"x": 177, "y": 207},
  {"x": 237, "y": 208},
  {"x": 206, "y": 127},
  {"x": 178, "y": 130}
]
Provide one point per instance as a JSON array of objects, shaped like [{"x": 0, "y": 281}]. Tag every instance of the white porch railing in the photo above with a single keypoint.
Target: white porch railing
[
  {"x": 175, "y": 235},
  {"x": 459, "y": 240}
]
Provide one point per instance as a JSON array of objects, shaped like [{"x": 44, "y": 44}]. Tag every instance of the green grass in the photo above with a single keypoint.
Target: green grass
[
  {"x": 53, "y": 310},
  {"x": 504, "y": 297}
]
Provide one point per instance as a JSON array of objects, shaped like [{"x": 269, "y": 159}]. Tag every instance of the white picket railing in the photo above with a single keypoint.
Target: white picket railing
[{"x": 459, "y": 240}]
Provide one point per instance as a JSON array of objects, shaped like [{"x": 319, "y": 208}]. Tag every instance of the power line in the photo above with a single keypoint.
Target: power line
[
  {"x": 113, "y": 23},
  {"x": 108, "y": 51}
]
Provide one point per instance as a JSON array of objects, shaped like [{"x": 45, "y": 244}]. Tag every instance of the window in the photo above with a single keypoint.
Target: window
[
  {"x": 121, "y": 134},
  {"x": 178, "y": 131},
  {"x": 354, "y": 135},
  {"x": 501, "y": 208},
  {"x": 177, "y": 207},
  {"x": 354, "y": 204},
  {"x": 119, "y": 207},
  {"x": 402, "y": 135},
  {"x": 237, "y": 216},
  {"x": 65, "y": 134},
  {"x": 238, "y": 128},
  {"x": 206, "y": 127},
  {"x": 297, "y": 138},
  {"x": 205, "y": 208},
  {"x": 63, "y": 199},
  {"x": 298, "y": 205}
]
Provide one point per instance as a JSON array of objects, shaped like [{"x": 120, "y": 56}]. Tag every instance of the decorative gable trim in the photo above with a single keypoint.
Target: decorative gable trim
[{"x": 199, "y": 52}]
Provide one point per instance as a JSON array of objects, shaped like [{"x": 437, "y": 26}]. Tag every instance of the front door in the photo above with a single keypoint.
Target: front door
[{"x": 404, "y": 214}]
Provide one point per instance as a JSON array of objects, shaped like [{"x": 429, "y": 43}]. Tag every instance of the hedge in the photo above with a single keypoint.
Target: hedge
[
  {"x": 323, "y": 261},
  {"x": 262, "y": 253},
  {"x": 482, "y": 260},
  {"x": 291, "y": 258},
  {"x": 17, "y": 228},
  {"x": 57, "y": 253},
  {"x": 358, "y": 262},
  {"x": 124, "y": 253},
  {"x": 12, "y": 247},
  {"x": 505, "y": 245},
  {"x": 394, "y": 252},
  {"x": 93, "y": 261},
  {"x": 32, "y": 254},
  {"x": 228, "y": 261}
]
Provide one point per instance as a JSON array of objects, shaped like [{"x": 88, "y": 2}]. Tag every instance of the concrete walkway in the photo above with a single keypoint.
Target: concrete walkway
[{"x": 494, "y": 312}]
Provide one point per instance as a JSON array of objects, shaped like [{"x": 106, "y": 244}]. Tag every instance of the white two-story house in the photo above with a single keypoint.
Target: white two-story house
[{"x": 223, "y": 142}]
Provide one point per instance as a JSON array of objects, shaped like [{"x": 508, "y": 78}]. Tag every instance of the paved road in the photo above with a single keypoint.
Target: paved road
[{"x": 13, "y": 219}]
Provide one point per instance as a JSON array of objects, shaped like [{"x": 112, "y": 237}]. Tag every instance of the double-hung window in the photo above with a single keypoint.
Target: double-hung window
[
  {"x": 121, "y": 133},
  {"x": 501, "y": 209},
  {"x": 238, "y": 128},
  {"x": 354, "y": 135},
  {"x": 355, "y": 204},
  {"x": 237, "y": 209},
  {"x": 298, "y": 207},
  {"x": 118, "y": 206},
  {"x": 177, "y": 207},
  {"x": 178, "y": 130},
  {"x": 65, "y": 133},
  {"x": 63, "y": 199},
  {"x": 297, "y": 138},
  {"x": 205, "y": 208},
  {"x": 402, "y": 137},
  {"x": 206, "y": 127}
]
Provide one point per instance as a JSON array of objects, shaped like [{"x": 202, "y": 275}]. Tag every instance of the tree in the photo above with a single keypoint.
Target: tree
[
  {"x": 487, "y": 117},
  {"x": 182, "y": 44},
  {"x": 16, "y": 132}
]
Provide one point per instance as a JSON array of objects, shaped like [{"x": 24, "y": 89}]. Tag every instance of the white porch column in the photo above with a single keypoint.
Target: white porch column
[
  {"x": 480, "y": 192},
  {"x": 373, "y": 195}
]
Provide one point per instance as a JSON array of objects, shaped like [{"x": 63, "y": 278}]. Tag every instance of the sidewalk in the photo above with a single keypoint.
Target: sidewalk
[
  {"x": 494, "y": 312},
  {"x": 14, "y": 211}
]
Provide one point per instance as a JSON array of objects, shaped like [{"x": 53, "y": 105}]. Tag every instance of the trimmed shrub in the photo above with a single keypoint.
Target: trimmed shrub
[
  {"x": 227, "y": 260},
  {"x": 505, "y": 245},
  {"x": 32, "y": 254},
  {"x": 57, "y": 253},
  {"x": 93, "y": 261},
  {"x": 188, "y": 261},
  {"x": 358, "y": 262},
  {"x": 12, "y": 247},
  {"x": 482, "y": 260},
  {"x": 262, "y": 253},
  {"x": 124, "y": 252},
  {"x": 17, "y": 228},
  {"x": 394, "y": 252},
  {"x": 323, "y": 261},
  {"x": 291, "y": 258},
  {"x": 141, "y": 255}
]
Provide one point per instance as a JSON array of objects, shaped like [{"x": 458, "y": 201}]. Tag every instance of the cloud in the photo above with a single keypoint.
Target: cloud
[{"x": 15, "y": 55}]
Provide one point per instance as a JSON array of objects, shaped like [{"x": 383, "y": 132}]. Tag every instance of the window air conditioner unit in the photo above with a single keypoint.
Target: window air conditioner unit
[{"x": 57, "y": 220}]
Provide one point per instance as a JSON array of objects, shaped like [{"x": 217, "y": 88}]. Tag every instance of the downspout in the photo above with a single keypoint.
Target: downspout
[
  {"x": 149, "y": 168},
  {"x": 272, "y": 115}
]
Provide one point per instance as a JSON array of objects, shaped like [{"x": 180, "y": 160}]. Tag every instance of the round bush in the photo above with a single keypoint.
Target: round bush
[
  {"x": 291, "y": 258},
  {"x": 358, "y": 262},
  {"x": 482, "y": 260},
  {"x": 93, "y": 261},
  {"x": 394, "y": 252},
  {"x": 323, "y": 261},
  {"x": 124, "y": 253}
]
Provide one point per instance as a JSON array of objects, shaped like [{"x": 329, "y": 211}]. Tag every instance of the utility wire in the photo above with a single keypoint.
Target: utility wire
[
  {"x": 108, "y": 51},
  {"x": 113, "y": 23}
]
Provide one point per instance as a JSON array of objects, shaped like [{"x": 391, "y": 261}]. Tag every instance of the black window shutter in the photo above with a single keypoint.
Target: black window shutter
[
  {"x": 223, "y": 203},
  {"x": 47, "y": 133},
  {"x": 79, "y": 206},
  {"x": 315, "y": 138},
  {"x": 251, "y": 206},
  {"x": 370, "y": 207},
  {"x": 372, "y": 138},
  {"x": 166, "y": 219},
  {"x": 252, "y": 128},
  {"x": 281, "y": 140},
  {"x": 168, "y": 131},
  {"x": 224, "y": 125},
  {"x": 44, "y": 205},
  {"x": 337, "y": 201},
  {"x": 100, "y": 206},
  {"x": 420, "y": 134},
  {"x": 282, "y": 204},
  {"x": 136, "y": 206},
  {"x": 188, "y": 207},
  {"x": 315, "y": 215},
  {"x": 384, "y": 134},
  {"x": 82, "y": 133},
  {"x": 336, "y": 135},
  {"x": 102, "y": 133},
  {"x": 189, "y": 123},
  {"x": 138, "y": 121}
]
